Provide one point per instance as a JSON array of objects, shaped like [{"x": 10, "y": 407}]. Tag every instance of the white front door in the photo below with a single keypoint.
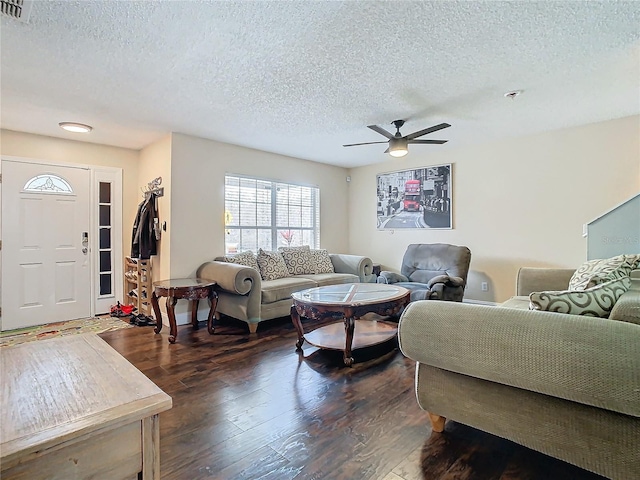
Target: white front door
[{"x": 46, "y": 265}]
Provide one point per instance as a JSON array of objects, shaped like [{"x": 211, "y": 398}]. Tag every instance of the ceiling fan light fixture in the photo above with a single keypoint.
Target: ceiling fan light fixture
[
  {"x": 75, "y": 127},
  {"x": 398, "y": 147}
]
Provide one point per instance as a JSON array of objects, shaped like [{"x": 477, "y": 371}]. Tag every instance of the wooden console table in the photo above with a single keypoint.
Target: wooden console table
[
  {"x": 73, "y": 407},
  {"x": 194, "y": 289}
]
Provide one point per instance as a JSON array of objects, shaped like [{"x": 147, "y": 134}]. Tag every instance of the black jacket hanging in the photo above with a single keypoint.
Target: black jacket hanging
[{"x": 143, "y": 243}]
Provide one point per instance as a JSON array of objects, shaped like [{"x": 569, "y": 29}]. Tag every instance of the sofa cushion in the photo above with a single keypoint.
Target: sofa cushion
[
  {"x": 282, "y": 288},
  {"x": 271, "y": 265},
  {"x": 321, "y": 260},
  {"x": 322, "y": 279},
  {"x": 520, "y": 301},
  {"x": 248, "y": 259},
  {"x": 298, "y": 259},
  {"x": 596, "y": 301},
  {"x": 595, "y": 272}
]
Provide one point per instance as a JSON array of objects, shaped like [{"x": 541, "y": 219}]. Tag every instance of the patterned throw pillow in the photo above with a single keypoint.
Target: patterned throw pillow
[
  {"x": 321, "y": 261},
  {"x": 271, "y": 265},
  {"x": 595, "y": 272},
  {"x": 248, "y": 259},
  {"x": 297, "y": 259},
  {"x": 594, "y": 302}
]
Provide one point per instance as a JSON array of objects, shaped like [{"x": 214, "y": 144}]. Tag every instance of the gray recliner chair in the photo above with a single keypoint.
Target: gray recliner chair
[{"x": 436, "y": 271}]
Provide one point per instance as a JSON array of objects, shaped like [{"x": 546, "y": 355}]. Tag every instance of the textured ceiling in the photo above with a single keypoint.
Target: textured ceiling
[{"x": 303, "y": 78}]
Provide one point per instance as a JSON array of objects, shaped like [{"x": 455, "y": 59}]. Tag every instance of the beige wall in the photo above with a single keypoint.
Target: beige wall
[
  {"x": 517, "y": 202},
  {"x": 52, "y": 149},
  {"x": 155, "y": 161},
  {"x": 521, "y": 201},
  {"x": 198, "y": 167}
]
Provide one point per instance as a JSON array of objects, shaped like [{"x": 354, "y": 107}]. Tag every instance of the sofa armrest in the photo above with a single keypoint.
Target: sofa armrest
[
  {"x": 627, "y": 308},
  {"x": 592, "y": 361},
  {"x": 446, "y": 280},
  {"x": 353, "y": 264},
  {"x": 231, "y": 277},
  {"x": 542, "y": 279},
  {"x": 391, "y": 277}
]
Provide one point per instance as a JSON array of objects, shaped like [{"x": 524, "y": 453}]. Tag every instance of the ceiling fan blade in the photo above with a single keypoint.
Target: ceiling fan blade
[
  {"x": 435, "y": 142},
  {"x": 356, "y": 144},
  {"x": 435, "y": 128},
  {"x": 380, "y": 130}
]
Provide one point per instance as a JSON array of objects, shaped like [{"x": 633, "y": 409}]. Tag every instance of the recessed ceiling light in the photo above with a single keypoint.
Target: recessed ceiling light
[
  {"x": 513, "y": 94},
  {"x": 75, "y": 127}
]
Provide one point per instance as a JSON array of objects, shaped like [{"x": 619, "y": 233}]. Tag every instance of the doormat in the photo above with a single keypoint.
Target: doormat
[{"x": 59, "y": 329}]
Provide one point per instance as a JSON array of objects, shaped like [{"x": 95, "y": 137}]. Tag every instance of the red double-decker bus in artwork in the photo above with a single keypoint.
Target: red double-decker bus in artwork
[{"x": 411, "y": 199}]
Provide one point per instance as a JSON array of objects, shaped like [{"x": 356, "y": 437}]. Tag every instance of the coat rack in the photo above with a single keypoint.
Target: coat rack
[{"x": 153, "y": 188}]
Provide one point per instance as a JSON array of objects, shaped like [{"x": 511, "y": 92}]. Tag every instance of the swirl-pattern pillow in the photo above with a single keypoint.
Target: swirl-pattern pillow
[
  {"x": 271, "y": 265},
  {"x": 599, "y": 271},
  {"x": 596, "y": 301},
  {"x": 297, "y": 259},
  {"x": 321, "y": 261},
  {"x": 248, "y": 259}
]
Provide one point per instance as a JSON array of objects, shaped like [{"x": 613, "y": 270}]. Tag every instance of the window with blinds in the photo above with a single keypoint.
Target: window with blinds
[{"x": 264, "y": 214}]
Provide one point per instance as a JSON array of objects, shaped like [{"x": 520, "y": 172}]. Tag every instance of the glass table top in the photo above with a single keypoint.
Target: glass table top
[{"x": 350, "y": 294}]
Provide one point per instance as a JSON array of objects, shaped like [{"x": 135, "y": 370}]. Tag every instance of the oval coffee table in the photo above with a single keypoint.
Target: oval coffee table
[{"x": 348, "y": 303}]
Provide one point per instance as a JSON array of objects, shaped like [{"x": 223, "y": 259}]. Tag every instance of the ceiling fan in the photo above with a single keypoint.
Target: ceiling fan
[{"x": 397, "y": 143}]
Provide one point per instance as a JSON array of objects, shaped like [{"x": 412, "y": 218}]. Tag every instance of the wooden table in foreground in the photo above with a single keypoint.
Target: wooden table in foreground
[
  {"x": 348, "y": 303},
  {"x": 74, "y": 408},
  {"x": 194, "y": 289}
]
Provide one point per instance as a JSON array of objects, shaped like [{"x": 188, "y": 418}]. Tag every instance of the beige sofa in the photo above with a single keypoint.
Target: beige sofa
[
  {"x": 565, "y": 385},
  {"x": 244, "y": 295}
]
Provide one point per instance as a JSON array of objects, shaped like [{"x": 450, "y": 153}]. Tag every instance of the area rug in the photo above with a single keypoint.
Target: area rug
[{"x": 59, "y": 329}]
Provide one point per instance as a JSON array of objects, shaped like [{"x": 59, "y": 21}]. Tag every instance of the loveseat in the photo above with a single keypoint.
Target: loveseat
[
  {"x": 563, "y": 384},
  {"x": 245, "y": 293}
]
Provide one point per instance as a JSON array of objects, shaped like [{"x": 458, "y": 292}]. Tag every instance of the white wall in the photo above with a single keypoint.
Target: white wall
[
  {"x": 518, "y": 202},
  {"x": 155, "y": 161},
  {"x": 198, "y": 167}
]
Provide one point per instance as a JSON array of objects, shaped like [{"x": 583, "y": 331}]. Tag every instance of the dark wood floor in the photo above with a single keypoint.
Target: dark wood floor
[{"x": 249, "y": 407}]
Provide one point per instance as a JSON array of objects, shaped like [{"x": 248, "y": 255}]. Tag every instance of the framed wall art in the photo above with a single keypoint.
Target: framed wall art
[{"x": 416, "y": 198}]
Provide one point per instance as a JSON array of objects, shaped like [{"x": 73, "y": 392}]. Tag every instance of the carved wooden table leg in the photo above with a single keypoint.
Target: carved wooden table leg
[
  {"x": 156, "y": 312},
  {"x": 213, "y": 299},
  {"x": 349, "y": 324},
  {"x": 295, "y": 318},
  {"x": 191, "y": 289},
  {"x": 173, "y": 328},
  {"x": 194, "y": 314}
]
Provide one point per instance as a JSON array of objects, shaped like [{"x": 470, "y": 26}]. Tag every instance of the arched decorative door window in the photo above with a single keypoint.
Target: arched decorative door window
[{"x": 48, "y": 184}]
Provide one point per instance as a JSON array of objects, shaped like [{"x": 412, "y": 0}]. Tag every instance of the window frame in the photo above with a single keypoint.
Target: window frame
[{"x": 310, "y": 234}]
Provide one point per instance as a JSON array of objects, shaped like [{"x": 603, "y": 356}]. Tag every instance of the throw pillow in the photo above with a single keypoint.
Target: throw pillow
[
  {"x": 599, "y": 271},
  {"x": 596, "y": 301},
  {"x": 321, "y": 261},
  {"x": 271, "y": 265},
  {"x": 248, "y": 259},
  {"x": 297, "y": 259}
]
